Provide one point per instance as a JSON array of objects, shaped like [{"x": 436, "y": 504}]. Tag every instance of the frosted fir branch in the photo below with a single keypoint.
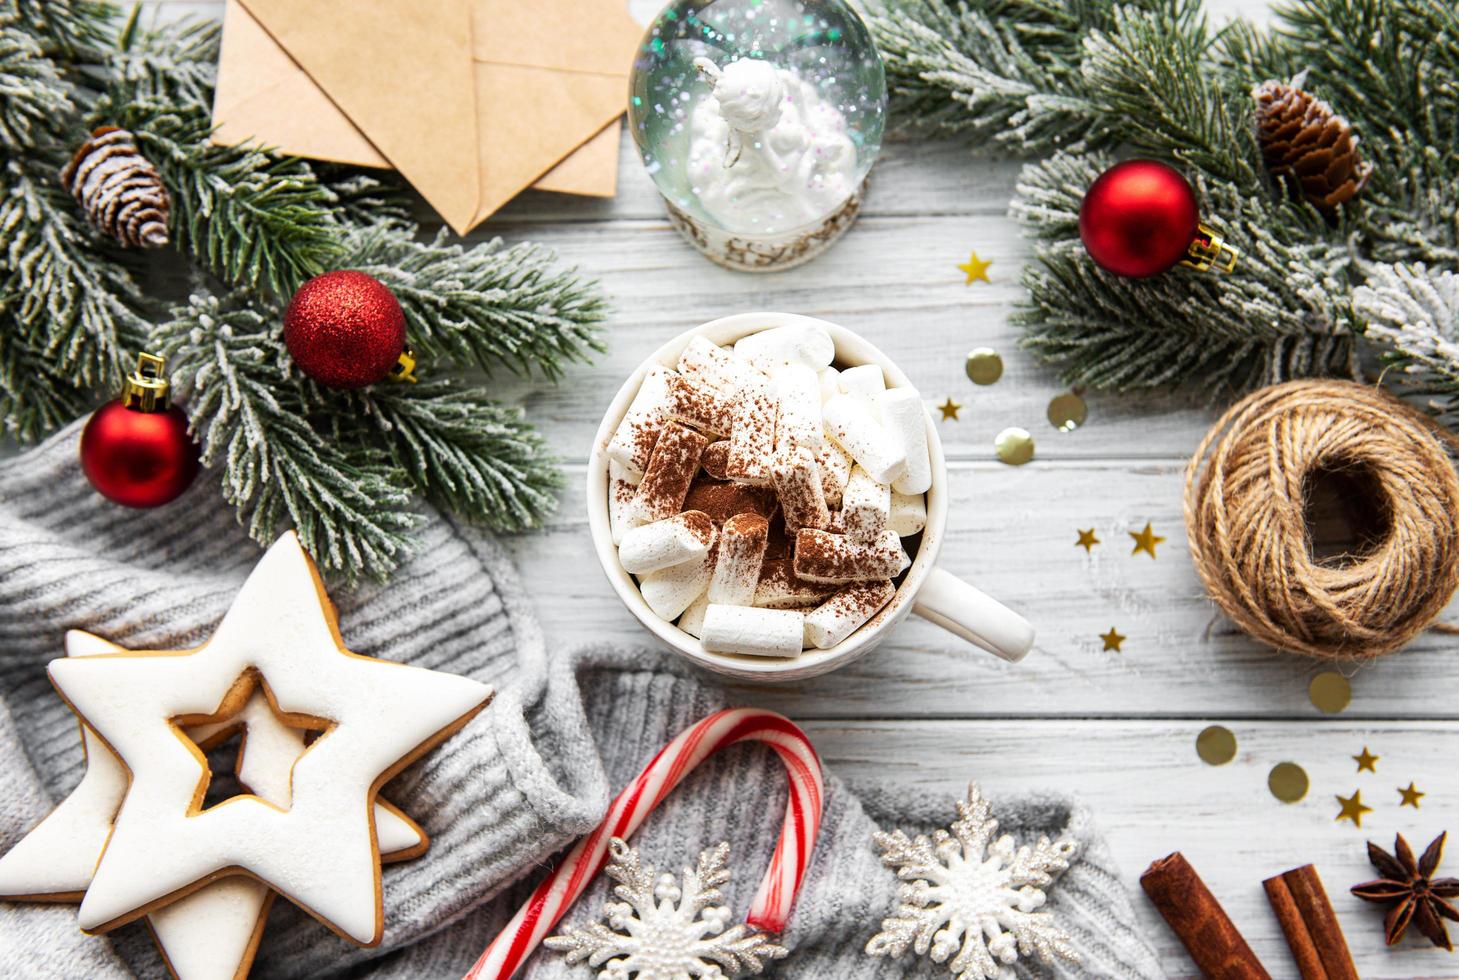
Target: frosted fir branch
[
  {"x": 174, "y": 62},
  {"x": 65, "y": 295},
  {"x": 250, "y": 218},
  {"x": 33, "y": 97},
  {"x": 463, "y": 451},
  {"x": 69, "y": 30},
  {"x": 486, "y": 306},
  {"x": 1149, "y": 76},
  {"x": 1284, "y": 316},
  {"x": 35, "y": 398},
  {"x": 350, "y": 507},
  {"x": 1000, "y": 72},
  {"x": 1411, "y": 315}
]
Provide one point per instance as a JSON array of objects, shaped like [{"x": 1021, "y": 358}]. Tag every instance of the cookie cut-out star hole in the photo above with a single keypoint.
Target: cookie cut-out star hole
[{"x": 222, "y": 741}]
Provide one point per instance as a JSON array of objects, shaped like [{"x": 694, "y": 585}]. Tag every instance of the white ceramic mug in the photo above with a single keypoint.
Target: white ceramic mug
[{"x": 927, "y": 590}]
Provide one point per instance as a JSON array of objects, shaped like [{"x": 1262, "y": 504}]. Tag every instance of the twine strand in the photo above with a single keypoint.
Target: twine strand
[{"x": 1246, "y": 496}]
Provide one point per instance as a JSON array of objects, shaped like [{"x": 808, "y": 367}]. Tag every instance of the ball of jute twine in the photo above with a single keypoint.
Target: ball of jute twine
[{"x": 1246, "y": 501}]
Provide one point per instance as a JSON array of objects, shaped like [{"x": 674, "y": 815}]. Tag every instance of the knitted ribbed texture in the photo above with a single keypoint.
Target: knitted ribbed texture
[{"x": 528, "y": 775}]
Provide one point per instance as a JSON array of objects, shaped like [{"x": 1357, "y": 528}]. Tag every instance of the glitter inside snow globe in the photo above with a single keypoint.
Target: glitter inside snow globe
[{"x": 758, "y": 120}]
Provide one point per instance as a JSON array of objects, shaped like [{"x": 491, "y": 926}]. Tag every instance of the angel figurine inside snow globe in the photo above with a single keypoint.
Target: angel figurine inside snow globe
[{"x": 759, "y": 120}]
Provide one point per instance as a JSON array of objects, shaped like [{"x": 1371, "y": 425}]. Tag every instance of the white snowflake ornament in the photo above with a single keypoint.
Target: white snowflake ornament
[
  {"x": 973, "y": 898},
  {"x": 660, "y": 930}
]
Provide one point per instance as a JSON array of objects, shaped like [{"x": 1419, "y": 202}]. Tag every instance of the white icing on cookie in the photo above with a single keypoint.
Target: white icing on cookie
[
  {"x": 320, "y": 852},
  {"x": 56, "y": 859},
  {"x": 213, "y": 933}
]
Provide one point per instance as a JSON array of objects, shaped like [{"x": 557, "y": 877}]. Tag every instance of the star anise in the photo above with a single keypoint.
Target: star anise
[{"x": 1413, "y": 891}]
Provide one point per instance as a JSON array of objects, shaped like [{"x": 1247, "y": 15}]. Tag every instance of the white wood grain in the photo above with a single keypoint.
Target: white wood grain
[
  {"x": 923, "y": 711},
  {"x": 1012, "y": 532},
  {"x": 1152, "y": 795}
]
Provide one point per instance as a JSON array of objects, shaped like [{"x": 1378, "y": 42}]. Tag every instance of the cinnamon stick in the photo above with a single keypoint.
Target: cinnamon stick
[
  {"x": 1199, "y": 921},
  {"x": 1310, "y": 925}
]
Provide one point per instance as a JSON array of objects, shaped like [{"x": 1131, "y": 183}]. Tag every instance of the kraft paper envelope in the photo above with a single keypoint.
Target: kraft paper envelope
[
  {"x": 263, "y": 96},
  {"x": 471, "y": 100}
]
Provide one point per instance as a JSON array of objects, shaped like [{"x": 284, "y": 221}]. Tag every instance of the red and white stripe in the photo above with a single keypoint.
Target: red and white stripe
[{"x": 770, "y": 910}]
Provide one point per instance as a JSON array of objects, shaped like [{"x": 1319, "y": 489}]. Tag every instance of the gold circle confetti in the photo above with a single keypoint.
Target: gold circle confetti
[
  {"x": 1014, "y": 446},
  {"x": 1216, "y": 745},
  {"x": 1067, "y": 412},
  {"x": 1287, "y": 781},
  {"x": 984, "y": 365},
  {"x": 1330, "y": 692}
]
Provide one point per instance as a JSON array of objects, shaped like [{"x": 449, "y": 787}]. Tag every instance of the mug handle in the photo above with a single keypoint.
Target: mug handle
[{"x": 975, "y": 616}]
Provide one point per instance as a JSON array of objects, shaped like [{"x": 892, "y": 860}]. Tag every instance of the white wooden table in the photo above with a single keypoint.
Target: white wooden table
[{"x": 927, "y": 712}]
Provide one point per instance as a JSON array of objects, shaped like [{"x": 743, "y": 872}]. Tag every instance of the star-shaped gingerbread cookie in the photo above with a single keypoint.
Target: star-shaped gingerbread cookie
[{"x": 320, "y": 849}]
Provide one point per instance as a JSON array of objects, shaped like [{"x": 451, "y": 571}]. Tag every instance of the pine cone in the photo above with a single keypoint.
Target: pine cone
[
  {"x": 119, "y": 190},
  {"x": 1307, "y": 145}
]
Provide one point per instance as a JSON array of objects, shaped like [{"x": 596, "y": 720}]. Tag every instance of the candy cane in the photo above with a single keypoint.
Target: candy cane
[{"x": 771, "y": 908}]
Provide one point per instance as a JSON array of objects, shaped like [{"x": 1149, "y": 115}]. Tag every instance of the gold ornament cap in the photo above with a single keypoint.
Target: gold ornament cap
[
  {"x": 145, "y": 389},
  {"x": 1209, "y": 250}
]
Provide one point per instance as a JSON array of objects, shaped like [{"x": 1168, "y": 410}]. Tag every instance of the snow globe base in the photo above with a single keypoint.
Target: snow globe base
[{"x": 767, "y": 253}]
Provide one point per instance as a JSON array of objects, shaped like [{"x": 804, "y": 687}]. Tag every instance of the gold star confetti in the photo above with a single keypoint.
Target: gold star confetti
[
  {"x": 1145, "y": 541},
  {"x": 949, "y": 409},
  {"x": 1287, "y": 782},
  {"x": 1411, "y": 796},
  {"x": 976, "y": 269},
  {"x": 1353, "y": 808},
  {"x": 1112, "y": 640},
  {"x": 1366, "y": 761},
  {"x": 1087, "y": 540}
]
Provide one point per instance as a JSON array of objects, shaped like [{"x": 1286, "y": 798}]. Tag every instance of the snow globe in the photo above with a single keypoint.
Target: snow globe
[{"x": 758, "y": 121}]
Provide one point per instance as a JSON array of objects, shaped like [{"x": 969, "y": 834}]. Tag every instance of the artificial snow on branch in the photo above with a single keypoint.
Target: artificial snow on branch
[
  {"x": 1081, "y": 83},
  {"x": 343, "y": 468}
]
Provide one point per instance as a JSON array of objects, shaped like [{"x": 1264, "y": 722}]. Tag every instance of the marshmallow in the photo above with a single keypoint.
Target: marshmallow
[
  {"x": 708, "y": 365},
  {"x": 865, "y": 506},
  {"x": 633, "y": 441},
  {"x": 799, "y": 425},
  {"x": 716, "y": 459},
  {"x": 741, "y": 553},
  {"x": 669, "y": 591},
  {"x": 674, "y": 541},
  {"x": 798, "y": 485},
  {"x": 702, "y": 407},
  {"x": 692, "y": 622},
  {"x": 845, "y": 612},
  {"x": 621, "y": 491},
  {"x": 835, "y": 558},
  {"x": 757, "y": 632},
  {"x": 835, "y": 471},
  {"x": 752, "y": 443},
  {"x": 670, "y": 470},
  {"x": 780, "y": 588},
  {"x": 830, "y": 384},
  {"x": 852, "y": 426},
  {"x": 771, "y": 350},
  {"x": 906, "y": 420},
  {"x": 865, "y": 383},
  {"x": 909, "y": 514}
]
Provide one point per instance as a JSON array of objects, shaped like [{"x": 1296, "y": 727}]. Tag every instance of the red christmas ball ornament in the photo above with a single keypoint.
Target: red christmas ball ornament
[
  {"x": 1140, "y": 218},
  {"x": 346, "y": 330},
  {"x": 136, "y": 450}
]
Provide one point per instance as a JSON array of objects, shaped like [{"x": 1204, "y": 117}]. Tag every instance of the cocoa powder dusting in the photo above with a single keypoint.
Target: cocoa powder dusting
[
  {"x": 824, "y": 557},
  {"x": 781, "y": 588},
  {"x": 671, "y": 469},
  {"x": 703, "y": 408},
  {"x": 700, "y": 524},
  {"x": 716, "y": 459},
  {"x": 721, "y": 501}
]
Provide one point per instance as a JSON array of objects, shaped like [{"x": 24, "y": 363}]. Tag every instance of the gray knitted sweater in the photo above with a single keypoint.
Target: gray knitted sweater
[{"x": 522, "y": 781}]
